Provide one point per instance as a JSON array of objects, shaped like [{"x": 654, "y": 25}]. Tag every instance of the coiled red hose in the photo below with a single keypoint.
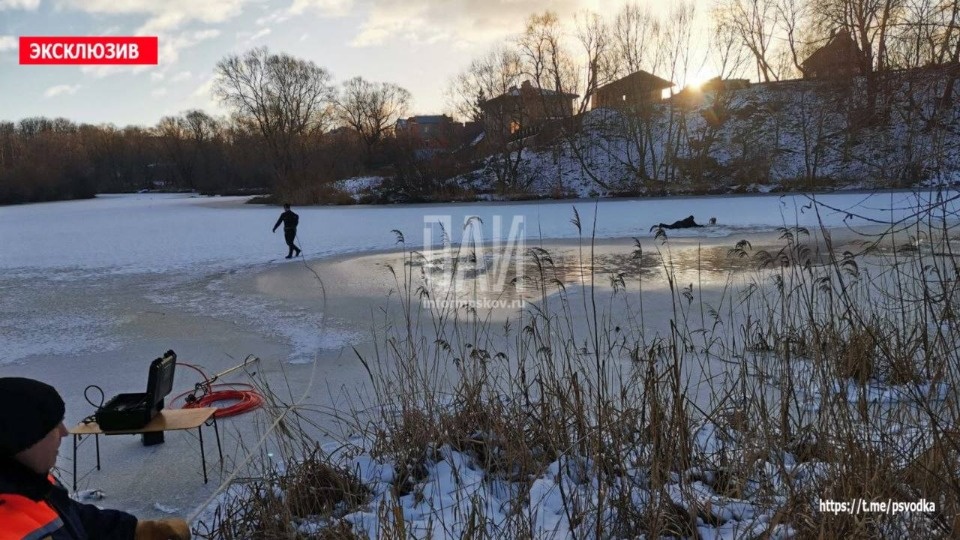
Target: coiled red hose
[{"x": 245, "y": 396}]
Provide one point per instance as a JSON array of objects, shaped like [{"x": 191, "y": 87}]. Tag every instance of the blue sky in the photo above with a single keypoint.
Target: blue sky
[{"x": 418, "y": 44}]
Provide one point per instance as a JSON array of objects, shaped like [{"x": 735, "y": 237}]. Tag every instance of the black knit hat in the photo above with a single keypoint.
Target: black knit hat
[{"x": 29, "y": 410}]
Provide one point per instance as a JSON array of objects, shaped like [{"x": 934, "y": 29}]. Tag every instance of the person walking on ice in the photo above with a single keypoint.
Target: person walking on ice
[{"x": 290, "y": 221}]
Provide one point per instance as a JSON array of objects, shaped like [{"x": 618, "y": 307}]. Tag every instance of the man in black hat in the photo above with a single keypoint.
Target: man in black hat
[
  {"x": 33, "y": 504},
  {"x": 290, "y": 221}
]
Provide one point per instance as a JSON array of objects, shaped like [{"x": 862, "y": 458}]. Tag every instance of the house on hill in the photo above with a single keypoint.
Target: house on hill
[
  {"x": 839, "y": 58},
  {"x": 695, "y": 93},
  {"x": 635, "y": 89},
  {"x": 718, "y": 84},
  {"x": 521, "y": 111},
  {"x": 437, "y": 132},
  {"x": 430, "y": 128}
]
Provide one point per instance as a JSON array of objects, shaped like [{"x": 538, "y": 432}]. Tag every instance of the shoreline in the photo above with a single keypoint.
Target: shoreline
[
  {"x": 147, "y": 480},
  {"x": 507, "y": 201},
  {"x": 667, "y": 197}
]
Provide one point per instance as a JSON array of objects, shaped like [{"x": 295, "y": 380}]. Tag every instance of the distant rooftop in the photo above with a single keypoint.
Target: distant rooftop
[
  {"x": 430, "y": 119},
  {"x": 640, "y": 79},
  {"x": 514, "y": 91}
]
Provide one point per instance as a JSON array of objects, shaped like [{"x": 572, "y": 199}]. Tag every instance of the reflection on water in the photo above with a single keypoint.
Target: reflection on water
[
  {"x": 712, "y": 265},
  {"x": 514, "y": 275}
]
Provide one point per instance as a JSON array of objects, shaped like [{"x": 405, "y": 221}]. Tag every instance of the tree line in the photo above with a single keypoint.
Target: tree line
[
  {"x": 293, "y": 132},
  {"x": 290, "y": 132}
]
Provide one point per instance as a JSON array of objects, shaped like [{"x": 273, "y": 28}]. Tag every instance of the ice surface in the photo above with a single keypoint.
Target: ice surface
[
  {"x": 161, "y": 233},
  {"x": 73, "y": 271}
]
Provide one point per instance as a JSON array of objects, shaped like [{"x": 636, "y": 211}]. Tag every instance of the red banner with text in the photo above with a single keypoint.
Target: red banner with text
[{"x": 88, "y": 50}]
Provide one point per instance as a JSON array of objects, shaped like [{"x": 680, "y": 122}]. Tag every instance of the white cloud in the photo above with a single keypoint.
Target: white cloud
[
  {"x": 61, "y": 89},
  {"x": 463, "y": 20},
  {"x": 320, "y": 8},
  {"x": 172, "y": 45},
  {"x": 169, "y": 55},
  {"x": 204, "y": 35},
  {"x": 161, "y": 19},
  {"x": 182, "y": 76},
  {"x": 161, "y": 24},
  {"x": 8, "y": 43},
  {"x": 262, "y": 33},
  {"x": 162, "y": 16},
  {"x": 159, "y": 92},
  {"x": 205, "y": 90},
  {"x": 28, "y": 5},
  {"x": 274, "y": 17},
  {"x": 202, "y": 98},
  {"x": 327, "y": 8},
  {"x": 99, "y": 72}
]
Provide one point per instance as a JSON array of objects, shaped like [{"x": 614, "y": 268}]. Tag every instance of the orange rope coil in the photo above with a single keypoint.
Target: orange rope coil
[{"x": 245, "y": 396}]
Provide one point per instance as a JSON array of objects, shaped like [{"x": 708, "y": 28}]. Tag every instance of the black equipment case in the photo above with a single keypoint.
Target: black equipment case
[{"x": 133, "y": 411}]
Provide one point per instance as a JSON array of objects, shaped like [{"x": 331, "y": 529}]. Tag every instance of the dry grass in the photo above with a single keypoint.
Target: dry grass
[
  {"x": 273, "y": 506},
  {"x": 618, "y": 408},
  {"x": 313, "y": 487}
]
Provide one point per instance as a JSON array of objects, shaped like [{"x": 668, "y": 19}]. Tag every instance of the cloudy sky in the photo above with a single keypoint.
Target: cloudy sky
[{"x": 418, "y": 44}]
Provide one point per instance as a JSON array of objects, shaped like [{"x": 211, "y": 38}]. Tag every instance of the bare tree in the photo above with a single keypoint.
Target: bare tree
[
  {"x": 635, "y": 31},
  {"x": 924, "y": 31},
  {"x": 868, "y": 21},
  {"x": 545, "y": 58},
  {"x": 676, "y": 43},
  {"x": 200, "y": 126},
  {"x": 809, "y": 117},
  {"x": 793, "y": 14},
  {"x": 372, "y": 108},
  {"x": 486, "y": 78},
  {"x": 888, "y": 18},
  {"x": 187, "y": 140},
  {"x": 950, "y": 41},
  {"x": 563, "y": 65},
  {"x": 637, "y": 36},
  {"x": 755, "y": 21},
  {"x": 597, "y": 48},
  {"x": 284, "y": 99},
  {"x": 728, "y": 51},
  {"x": 490, "y": 76},
  {"x": 10, "y": 147}
]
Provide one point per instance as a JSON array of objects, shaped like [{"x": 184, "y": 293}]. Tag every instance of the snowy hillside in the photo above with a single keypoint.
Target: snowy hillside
[{"x": 785, "y": 136}]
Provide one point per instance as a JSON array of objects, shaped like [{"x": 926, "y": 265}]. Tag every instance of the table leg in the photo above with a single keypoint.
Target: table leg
[
  {"x": 96, "y": 439},
  {"x": 203, "y": 455},
  {"x": 75, "y": 463},
  {"x": 216, "y": 431}
]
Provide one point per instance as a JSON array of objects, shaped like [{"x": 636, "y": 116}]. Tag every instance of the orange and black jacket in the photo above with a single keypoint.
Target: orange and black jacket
[{"x": 35, "y": 507}]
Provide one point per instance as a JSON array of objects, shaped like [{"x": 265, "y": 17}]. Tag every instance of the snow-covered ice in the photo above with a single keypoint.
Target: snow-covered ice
[{"x": 77, "y": 276}]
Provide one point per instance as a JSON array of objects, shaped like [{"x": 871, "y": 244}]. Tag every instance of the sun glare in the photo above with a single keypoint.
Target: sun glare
[{"x": 697, "y": 81}]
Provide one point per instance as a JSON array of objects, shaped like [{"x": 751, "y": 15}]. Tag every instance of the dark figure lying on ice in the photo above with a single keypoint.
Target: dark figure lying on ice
[{"x": 687, "y": 223}]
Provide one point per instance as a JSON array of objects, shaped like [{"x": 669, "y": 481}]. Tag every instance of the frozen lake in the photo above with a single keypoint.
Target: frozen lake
[
  {"x": 73, "y": 272},
  {"x": 160, "y": 233},
  {"x": 90, "y": 291}
]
